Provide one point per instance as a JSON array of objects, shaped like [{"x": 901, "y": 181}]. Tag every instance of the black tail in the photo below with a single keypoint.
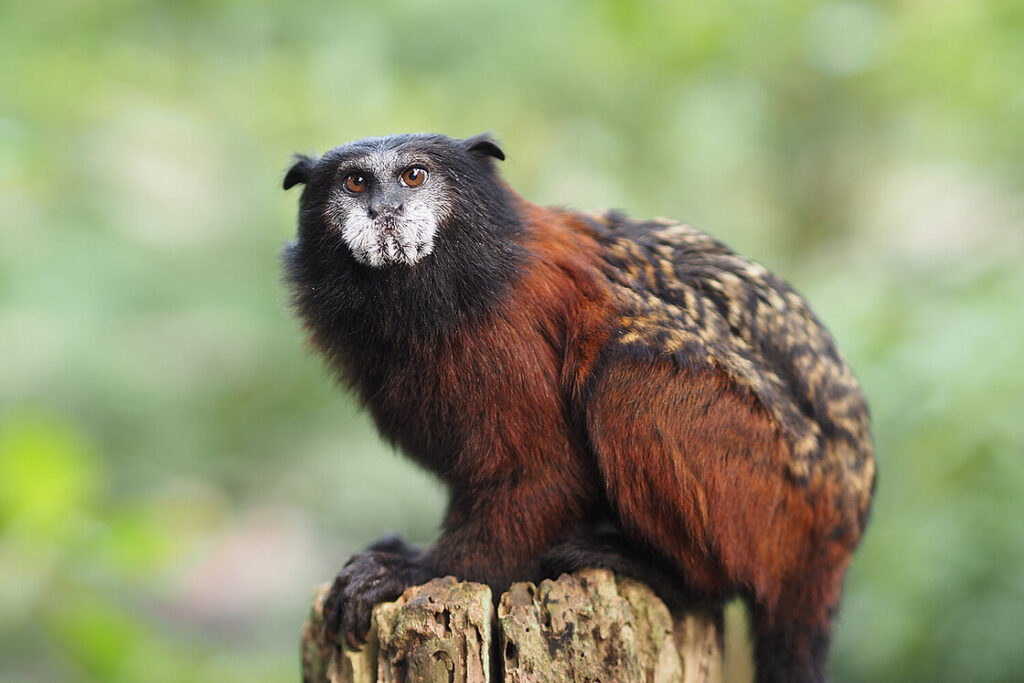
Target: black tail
[{"x": 790, "y": 649}]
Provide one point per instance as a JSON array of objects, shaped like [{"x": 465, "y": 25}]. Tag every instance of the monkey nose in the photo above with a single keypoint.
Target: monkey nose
[{"x": 385, "y": 207}]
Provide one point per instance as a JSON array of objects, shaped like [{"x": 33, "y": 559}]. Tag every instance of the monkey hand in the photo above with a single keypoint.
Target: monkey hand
[{"x": 368, "y": 578}]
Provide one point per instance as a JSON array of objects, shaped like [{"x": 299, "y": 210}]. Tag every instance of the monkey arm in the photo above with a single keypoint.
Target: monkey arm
[
  {"x": 497, "y": 533},
  {"x": 494, "y": 533}
]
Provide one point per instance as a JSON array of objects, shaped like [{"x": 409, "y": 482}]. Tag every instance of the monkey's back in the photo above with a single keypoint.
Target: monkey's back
[{"x": 681, "y": 293}]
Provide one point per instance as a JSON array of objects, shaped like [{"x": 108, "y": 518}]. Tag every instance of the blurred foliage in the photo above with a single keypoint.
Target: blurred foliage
[{"x": 177, "y": 471}]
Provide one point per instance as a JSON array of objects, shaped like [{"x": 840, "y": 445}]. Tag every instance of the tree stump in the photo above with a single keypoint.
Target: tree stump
[{"x": 587, "y": 626}]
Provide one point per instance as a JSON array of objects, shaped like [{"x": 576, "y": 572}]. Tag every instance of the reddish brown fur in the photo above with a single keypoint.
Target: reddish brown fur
[
  {"x": 690, "y": 461},
  {"x": 521, "y": 447},
  {"x": 697, "y": 468}
]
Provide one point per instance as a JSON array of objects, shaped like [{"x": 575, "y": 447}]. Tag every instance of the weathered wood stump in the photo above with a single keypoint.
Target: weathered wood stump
[{"x": 587, "y": 626}]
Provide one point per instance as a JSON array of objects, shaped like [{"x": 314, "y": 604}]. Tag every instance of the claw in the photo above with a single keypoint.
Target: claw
[{"x": 354, "y": 644}]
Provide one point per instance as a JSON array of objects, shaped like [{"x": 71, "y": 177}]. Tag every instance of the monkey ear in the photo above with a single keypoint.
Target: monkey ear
[
  {"x": 300, "y": 172},
  {"x": 484, "y": 145}
]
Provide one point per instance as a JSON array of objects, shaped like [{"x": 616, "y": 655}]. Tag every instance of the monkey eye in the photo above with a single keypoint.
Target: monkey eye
[
  {"x": 414, "y": 176},
  {"x": 355, "y": 183}
]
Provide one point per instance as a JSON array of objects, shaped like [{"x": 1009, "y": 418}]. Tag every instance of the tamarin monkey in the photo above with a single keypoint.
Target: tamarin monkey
[{"x": 565, "y": 372}]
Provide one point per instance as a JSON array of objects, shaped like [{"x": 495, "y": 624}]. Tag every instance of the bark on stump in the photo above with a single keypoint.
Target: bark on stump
[{"x": 587, "y": 626}]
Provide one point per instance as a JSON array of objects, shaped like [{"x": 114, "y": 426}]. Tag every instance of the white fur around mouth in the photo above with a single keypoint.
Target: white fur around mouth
[{"x": 390, "y": 240}]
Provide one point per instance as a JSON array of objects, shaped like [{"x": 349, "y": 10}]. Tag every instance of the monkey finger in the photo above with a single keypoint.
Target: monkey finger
[
  {"x": 353, "y": 641},
  {"x": 357, "y": 622},
  {"x": 334, "y": 606}
]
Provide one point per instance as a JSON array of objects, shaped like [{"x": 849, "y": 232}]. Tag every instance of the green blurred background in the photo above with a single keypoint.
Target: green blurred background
[{"x": 177, "y": 470}]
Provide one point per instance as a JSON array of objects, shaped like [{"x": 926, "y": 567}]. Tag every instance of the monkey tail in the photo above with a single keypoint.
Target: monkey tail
[{"x": 792, "y": 637}]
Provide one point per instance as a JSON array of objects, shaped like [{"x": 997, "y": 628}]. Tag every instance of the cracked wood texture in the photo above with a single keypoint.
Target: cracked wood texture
[{"x": 587, "y": 626}]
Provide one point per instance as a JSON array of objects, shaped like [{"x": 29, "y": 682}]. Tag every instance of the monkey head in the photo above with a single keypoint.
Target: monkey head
[
  {"x": 388, "y": 199},
  {"x": 401, "y": 235}
]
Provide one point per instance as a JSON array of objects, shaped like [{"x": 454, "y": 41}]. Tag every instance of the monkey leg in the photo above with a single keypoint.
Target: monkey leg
[{"x": 695, "y": 468}]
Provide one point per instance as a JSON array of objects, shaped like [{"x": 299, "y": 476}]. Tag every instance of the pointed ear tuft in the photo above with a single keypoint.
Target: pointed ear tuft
[
  {"x": 300, "y": 172},
  {"x": 484, "y": 145}
]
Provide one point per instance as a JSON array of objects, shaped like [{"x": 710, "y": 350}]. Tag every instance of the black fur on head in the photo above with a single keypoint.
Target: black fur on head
[{"x": 390, "y": 260}]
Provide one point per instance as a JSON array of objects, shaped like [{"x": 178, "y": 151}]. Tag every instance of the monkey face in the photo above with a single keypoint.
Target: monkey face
[
  {"x": 387, "y": 207},
  {"x": 387, "y": 199}
]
